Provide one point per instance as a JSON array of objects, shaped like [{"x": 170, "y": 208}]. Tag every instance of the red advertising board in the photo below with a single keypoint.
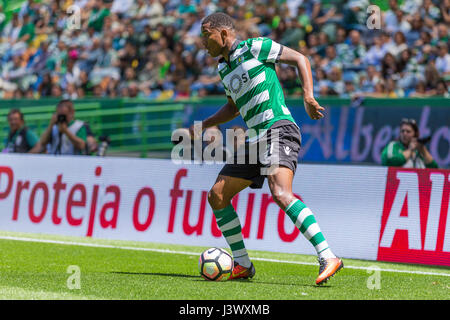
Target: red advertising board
[{"x": 414, "y": 226}]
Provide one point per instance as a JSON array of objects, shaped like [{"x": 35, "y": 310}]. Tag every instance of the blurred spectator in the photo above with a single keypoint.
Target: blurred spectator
[
  {"x": 356, "y": 50},
  {"x": 441, "y": 89},
  {"x": 399, "y": 44},
  {"x": 392, "y": 91},
  {"x": 445, "y": 11},
  {"x": 443, "y": 59},
  {"x": 390, "y": 17},
  {"x": 64, "y": 135},
  {"x": 336, "y": 84},
  {"x": 389, "y": 66},
  {"x": 419, "y": 91},
  {"x": 429, "y": 13},
  {"x": 20, "y": 138},
  {"x": 159, "y": 41},
  {"x": 376, "y": 52},
  {"x": 91, "y": 141},
  {"x": 408, "y": 150}
]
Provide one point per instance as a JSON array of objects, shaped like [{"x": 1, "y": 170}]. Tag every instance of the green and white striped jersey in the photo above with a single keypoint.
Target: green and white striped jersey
[{"x": 250, "y": 80}]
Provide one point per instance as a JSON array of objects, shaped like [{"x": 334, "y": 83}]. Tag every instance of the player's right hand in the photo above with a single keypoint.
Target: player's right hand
[{"x": 313, "y": 108}]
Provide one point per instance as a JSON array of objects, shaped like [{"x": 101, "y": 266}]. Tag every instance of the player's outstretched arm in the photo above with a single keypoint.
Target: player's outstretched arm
[
  {"x": 227, "y": 113},
  {"x": 298, "y": 60}
]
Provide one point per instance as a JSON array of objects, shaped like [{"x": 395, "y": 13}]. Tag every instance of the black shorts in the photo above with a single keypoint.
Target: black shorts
[{"x": 255, "y": 167}]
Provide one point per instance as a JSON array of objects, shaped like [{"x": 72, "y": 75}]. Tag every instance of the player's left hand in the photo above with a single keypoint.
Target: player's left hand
[{"x": 313, "y": 108}]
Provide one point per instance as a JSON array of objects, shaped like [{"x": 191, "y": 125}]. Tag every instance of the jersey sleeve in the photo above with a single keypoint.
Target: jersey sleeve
[
  {"x": 392, "y": 155},
  {"x": 32, "y": 138},
  {"x": 82, "y": 133},
  {"x": 433, "y": 165},
  {"x": 266, "y": 50}
]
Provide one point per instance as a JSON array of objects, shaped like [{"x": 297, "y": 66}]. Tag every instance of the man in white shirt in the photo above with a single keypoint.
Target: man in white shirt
[{"x": 443, "y": 59}]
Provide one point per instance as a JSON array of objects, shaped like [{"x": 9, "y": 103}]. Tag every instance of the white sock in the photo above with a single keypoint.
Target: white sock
[
  {"x": 326, "y": 254},
  {"x": 244, "y": 261}
]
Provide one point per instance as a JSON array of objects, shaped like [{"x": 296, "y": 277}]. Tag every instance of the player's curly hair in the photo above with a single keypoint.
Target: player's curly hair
[{"x": 219, "y": 20}]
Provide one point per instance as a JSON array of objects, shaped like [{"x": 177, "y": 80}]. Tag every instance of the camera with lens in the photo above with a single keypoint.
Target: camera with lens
[
  {"x": 62, "y": 118},
  {"x": 424, "y": 140},
  {"x": 105, "y": 141}
]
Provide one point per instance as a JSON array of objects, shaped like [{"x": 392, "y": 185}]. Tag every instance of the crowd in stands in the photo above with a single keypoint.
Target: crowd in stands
[{"x": 152, "y": 48}]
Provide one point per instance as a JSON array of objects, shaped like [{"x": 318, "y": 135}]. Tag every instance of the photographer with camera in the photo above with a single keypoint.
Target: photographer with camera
[
  {"x": 408, "y": 151},
  {"x": 64, "y": 135}
]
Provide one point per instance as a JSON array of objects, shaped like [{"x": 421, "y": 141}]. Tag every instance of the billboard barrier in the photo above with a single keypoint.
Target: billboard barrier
[{"x": 372, "y": 213}]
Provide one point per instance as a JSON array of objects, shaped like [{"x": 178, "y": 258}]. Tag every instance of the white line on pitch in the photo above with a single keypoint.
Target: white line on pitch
[{"x": 97, "y": 245}]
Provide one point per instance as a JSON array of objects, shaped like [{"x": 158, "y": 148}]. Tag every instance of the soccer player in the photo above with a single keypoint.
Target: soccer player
[{"x": 247, "y": 71}]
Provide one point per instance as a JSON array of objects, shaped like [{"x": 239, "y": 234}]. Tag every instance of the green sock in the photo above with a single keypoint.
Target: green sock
[
  {"x": 305, "y": 221},
  {"x": 228, "y": 222}
]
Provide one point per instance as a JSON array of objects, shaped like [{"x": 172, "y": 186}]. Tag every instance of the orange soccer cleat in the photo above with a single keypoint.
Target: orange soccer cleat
[
  {"x": 328, "y": 268},
  {"x": 240, "y": 272}
]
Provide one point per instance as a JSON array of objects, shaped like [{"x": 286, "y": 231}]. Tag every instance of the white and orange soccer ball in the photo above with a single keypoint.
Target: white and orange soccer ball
[{"x": 215, "y": 264}]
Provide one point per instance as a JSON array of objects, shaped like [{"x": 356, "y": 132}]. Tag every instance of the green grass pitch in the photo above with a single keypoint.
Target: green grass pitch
[{"x": 37, "y": 267}]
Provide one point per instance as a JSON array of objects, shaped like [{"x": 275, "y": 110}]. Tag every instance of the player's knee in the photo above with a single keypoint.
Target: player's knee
[
  {"x": 281, "y": 198},
  {"x": 216, "y": 199}
]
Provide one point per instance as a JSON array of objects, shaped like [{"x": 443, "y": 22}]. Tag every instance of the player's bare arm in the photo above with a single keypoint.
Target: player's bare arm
[
  {"x": 228, "y": 112},
  {"x": 298, "y": 60}
]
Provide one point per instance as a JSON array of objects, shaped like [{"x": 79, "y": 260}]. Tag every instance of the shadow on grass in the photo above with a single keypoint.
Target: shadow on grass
[
  {"x": 157, "y": 274},
  {"x": 198, "y": 278}
]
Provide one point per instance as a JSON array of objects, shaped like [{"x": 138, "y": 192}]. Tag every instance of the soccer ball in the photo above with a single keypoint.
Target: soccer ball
[{"x": 215, "y": 264}]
